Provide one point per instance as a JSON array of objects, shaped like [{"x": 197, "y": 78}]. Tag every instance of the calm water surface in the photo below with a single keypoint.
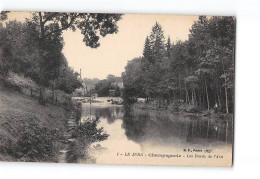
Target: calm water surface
[{"x": 132, "y": 130}]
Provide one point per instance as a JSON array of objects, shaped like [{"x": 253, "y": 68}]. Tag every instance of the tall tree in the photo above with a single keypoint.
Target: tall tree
[
  {"x": 147, "y": 53},
  {"x": 168, "y": 47},
  {"x": 157, "y": 40},
  {"x": 199, "y": 71}
]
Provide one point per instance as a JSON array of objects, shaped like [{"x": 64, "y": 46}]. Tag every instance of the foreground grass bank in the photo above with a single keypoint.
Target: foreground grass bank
[{"x": 30, "y": 131}]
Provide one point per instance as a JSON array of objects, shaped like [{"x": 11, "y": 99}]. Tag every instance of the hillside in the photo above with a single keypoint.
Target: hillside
[{"x": 24, "y": 125}]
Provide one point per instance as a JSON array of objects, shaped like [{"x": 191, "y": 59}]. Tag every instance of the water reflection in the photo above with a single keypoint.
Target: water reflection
[
  {"x": 137, "y": 130},
  {"x": 143, "y": 125},
  {"x": 135, "y": 126},
  {"x": 105, "y": 110}
]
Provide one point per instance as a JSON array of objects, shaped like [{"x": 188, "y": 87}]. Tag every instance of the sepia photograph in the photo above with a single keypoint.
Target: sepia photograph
[{"x": 110, "y": 88}]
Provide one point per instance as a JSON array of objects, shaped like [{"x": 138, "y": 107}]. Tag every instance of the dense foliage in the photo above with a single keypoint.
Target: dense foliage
[
  {"x": 34, "y": 48},
  {"x": 90, "y": 83},
  {"x": 103, "y": 87},
  {"x": 198, "y": 72},
  {"x": 21, "y": 53}
]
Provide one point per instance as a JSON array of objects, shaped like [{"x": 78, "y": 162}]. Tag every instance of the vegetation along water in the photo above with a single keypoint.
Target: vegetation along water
[{"x": 176, "y": 95}]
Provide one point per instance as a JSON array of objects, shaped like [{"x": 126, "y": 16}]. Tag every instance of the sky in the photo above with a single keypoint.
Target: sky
[{"x": 117, "y": 49}]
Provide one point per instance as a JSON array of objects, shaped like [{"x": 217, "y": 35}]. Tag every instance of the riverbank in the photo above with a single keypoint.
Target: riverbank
[
  {"x": 29, "y": 131},
  {"x": 181, "y": 108}
]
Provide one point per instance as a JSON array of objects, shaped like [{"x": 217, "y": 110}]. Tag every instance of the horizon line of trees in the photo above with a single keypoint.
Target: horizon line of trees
[
  {"x": 101, "y": 87},
  {"x": 198, "y": 71}
]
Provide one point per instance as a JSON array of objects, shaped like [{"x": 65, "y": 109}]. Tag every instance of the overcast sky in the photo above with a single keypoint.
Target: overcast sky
[{"x": 117, "y": 49}]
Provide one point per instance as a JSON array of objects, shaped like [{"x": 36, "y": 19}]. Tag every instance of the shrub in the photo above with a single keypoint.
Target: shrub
[
  {"x": 34, "y": 144},
  {"x": 89, "y": 132}
]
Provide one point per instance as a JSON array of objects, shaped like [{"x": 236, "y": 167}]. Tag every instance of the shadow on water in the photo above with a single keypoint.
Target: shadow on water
[
  {"x": 141, "y": 125},
  {"x": 134, "y": 125},
  {"x": 209, "y": 131},
  {"x": 145, "y": 128}
]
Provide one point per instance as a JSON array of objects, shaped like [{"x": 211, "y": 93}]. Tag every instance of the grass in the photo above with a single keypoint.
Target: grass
[{"x": 22, "y": 118}]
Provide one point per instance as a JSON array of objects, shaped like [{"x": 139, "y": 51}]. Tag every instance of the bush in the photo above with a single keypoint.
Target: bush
[
  {"x": 89, "y": 133},
  {"x": 35, "y": 143},
  {"x": 20, "y": 81}
]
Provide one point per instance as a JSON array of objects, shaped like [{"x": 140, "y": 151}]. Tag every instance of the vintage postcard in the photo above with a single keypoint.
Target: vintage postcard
[{"x": 102, "y": 88}]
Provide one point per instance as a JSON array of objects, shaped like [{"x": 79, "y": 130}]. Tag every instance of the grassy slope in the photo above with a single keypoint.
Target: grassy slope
[{"x": 17, "y": 110}]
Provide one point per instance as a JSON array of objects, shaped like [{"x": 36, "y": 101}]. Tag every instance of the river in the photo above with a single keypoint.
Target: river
[{"x": 138, "y": 136}]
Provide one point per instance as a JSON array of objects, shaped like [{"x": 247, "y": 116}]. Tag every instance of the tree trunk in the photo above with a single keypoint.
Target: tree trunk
[
  {"x": 187, "y": 95},
  {"x": 192, "y": 97},
  {"x": 207, "y": 93},
  {"x": 42, "y": 95},
  {"x": 219, "y": 102},
  {"x": 41, "y": 26},
  {"x": 227, "y": 131},
  {"x": 226, "y": 94},
  {"x": 42, "y": 89},
  {"x": 195, "y": 97}
]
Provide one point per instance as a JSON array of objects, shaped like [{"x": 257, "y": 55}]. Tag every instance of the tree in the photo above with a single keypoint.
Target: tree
[
  {"x": 178, "y": 68},
  {"x": 153, "y": 62},
  {"x": 198, "y": 72},
  {"x": 3, "y": 15},
  {"x": 111, "y": 78},
  {"x": 50, "y": 26},
  {"x": 191, "y": 83},
  {"x": 132, "y": 78},
  {"x": 168, "y": 47},
  {"x": 19, "y": 48},
  {"x": 147, "y": 53},
  {"x": 156, "y": 40},
  {"x": 90, "y": 83},
  {"x": 110, "y": 83},
  {"x": 67, "y": 80},
  {"x": 214, "y": 42},
  {"x": 91, "y": 25}
]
